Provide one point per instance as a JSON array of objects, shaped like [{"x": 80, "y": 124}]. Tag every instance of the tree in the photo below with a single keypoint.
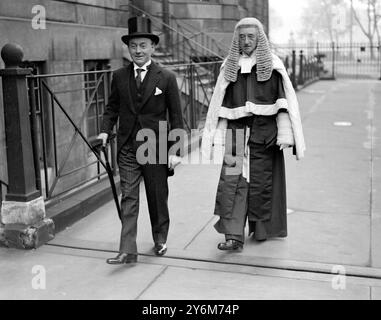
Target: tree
[
  {"x": 370, "y": 27},
  {"x": 319, "y": 17}
]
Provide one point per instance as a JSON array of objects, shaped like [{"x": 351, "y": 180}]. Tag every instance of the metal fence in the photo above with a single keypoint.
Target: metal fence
[
  {"x": 178, "y": 41},
  {"x": 341, "y": 60},
  {"x": 63, "y": 161},
  {"x": 301, "y": 68},
  {"x": 196, "y": 83},
  {"x": 206, "y": 50}
]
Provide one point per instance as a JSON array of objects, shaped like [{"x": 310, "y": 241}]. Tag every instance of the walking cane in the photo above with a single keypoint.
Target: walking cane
[
  {"x": 93, "y": 144},
  {"x": 96, "y": 144}
]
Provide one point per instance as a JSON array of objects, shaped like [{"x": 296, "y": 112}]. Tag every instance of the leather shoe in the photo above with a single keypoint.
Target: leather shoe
[
  {"x": 160, "y": 249},
  {"x": 230, "y": 245},
  {"x": 123, "y": 258},
  {"x": 260, "y": 233}
]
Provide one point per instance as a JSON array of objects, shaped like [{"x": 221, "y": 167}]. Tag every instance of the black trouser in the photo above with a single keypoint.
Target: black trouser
[
  {"x": 236, "y": 225},
  {"x": 232, "y": 193},
  {"x": 156, "y": 186}
]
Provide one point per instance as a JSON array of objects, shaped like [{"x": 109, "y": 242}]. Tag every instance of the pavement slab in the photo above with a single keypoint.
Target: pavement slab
[
  {"x": 335, "y": 174},
  {"x": 79, "y": 274},
  {"x": 209, "y": 285},
  {"x": 329, "y": 191},
  {"x": 341, "y": 241},
  {"x": 71, "y": 276},
  {"x": 376, "y": 293},
  {"x": 334, "y": 222}
]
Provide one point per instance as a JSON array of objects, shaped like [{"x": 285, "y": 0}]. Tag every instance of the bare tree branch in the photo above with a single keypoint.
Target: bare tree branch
[{"x": 359, "y": 22}]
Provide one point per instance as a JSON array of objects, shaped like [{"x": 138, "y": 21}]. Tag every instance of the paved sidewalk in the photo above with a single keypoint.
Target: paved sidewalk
[{"x": 334, "y": 224}]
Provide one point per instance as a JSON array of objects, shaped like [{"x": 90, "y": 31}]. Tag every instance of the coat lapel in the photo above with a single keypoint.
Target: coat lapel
[
  {"x": 126, "y": 86},
  {"x": 153, "y": 77}
]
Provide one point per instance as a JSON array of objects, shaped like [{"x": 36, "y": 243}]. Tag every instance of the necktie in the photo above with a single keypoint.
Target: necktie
[{"x": 139, "y": 78}]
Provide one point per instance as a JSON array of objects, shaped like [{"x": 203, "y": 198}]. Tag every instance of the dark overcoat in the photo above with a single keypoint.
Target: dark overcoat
[{"x": 160, "y": 101}]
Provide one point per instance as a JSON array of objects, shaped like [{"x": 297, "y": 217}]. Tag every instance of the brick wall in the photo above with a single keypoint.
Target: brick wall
[{"x": 74, "y": 33}]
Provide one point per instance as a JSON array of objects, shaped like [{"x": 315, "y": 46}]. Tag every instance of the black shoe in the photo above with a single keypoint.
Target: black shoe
[
  {"x": 259, "y": 238},
  {"x": 160, "y": 249},
  {"x": 123, "y": 258},
  {"x": 260, "y": 233},
  {"x": 230, "y": 245}
]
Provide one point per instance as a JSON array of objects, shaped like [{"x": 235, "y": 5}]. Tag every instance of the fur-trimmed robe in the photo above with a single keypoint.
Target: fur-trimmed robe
[
  {"x": 215, "y": 125},
  {"x": 289, "y": 132}
]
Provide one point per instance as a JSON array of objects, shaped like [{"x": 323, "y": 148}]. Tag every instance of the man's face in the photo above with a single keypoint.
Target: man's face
[
  {"x": 248, "y": 39},
  {"x": 141, "y": 50}
]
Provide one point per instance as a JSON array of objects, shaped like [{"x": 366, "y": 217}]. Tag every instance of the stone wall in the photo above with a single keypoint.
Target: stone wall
[
  {"x": 3, "y": 155},
  {"x": 74, "y": 33},
  {"x": 215, "y": 17}
]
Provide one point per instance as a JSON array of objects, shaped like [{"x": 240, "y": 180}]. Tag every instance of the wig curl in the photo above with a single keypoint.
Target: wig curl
[{"x": 262, "y": 52}]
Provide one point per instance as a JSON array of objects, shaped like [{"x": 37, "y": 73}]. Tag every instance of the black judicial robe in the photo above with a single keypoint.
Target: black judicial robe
[{"x": 266, "y": 192}]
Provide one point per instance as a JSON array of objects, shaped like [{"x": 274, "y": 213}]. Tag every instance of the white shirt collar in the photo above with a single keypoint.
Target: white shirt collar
[
  {"x": 247, "y": 62},
  {"x": 144, "y": 67}
]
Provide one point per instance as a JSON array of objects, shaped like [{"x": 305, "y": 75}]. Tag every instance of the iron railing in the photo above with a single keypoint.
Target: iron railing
[
  {"x": 63, "y": 162},
  {"x": 186, "y": 46},
  {"x": 196, "y": 83},
  {"x": 200, "y": 37},
  {"x": 182, "y": 47},
  {"x": 302, "y": 66},
  {"x": 341, "y": 60}
]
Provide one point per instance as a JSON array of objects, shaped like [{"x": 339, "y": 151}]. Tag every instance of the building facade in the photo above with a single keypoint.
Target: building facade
[{"x": 66, "y": 36}]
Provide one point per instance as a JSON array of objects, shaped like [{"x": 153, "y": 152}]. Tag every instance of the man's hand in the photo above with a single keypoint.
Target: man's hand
[
  {"x": 173, "y": 161},
  {"x": 103, "y": 136}
]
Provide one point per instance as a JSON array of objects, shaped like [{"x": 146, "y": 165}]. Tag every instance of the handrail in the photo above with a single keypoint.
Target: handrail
[
  {"x": 153, "y": 18},
  {"x": 68, "y": 74},
  {"x": 42, "y": 76},
  {"x": 194, "y": 31},
  {"x": 172, "y": 29},
  {"x": 3, "y": 183},
  {"x": 195, "y": 86}
]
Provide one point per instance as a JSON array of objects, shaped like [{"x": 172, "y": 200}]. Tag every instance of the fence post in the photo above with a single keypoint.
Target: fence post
[
  {"x": 166, "y": 19},
  {"x": 192, "y": 95},
  {"x": 23, "y": 211},
  {"x": 293, "y": 75},
  {"x": 317, "y": 62},
  {"x": 301, "y": 67},
  {"x": 379, "y": 58},
  {"x": 333, "y": 60},
  {"x": 33, "y": 123},
  {"x": 286, "y": 63}
]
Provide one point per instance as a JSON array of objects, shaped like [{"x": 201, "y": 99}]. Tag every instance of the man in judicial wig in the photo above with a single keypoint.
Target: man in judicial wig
[
  {"x": 254, "y": 113},
  {"x": 144, "y": 96}
]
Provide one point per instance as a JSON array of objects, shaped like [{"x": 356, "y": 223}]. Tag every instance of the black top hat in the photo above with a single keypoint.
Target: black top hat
[{"x": 140, "y": 27}]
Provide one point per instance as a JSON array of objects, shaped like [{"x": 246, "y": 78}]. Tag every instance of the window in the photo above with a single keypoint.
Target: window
[
  {"x": 98, "y": 98},
  {"x": 38, "y": 67}
]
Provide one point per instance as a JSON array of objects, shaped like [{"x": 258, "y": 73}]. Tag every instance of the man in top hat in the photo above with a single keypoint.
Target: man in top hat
[
  {"x": 143, "y": 97},
  {"x": 255, "y": 101}
]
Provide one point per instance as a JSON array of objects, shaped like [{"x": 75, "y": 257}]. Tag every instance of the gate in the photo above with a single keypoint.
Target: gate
[
  {"x": 355, "y": 61},
  {"x": 342, "y": 60}
]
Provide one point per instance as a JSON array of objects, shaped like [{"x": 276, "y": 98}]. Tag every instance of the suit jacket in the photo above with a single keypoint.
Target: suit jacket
[{"x": 160, "y": 101}]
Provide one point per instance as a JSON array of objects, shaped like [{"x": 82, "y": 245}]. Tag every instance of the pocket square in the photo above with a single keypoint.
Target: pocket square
[{"x": 158, "y": 91}]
